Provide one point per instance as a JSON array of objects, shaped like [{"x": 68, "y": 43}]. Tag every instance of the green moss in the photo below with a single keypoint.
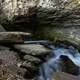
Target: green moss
[
  {"x": 57, "y": 34},
  {"x": 49, "y": 33}
]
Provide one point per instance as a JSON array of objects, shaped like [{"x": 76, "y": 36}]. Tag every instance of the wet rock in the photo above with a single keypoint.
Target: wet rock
[
  {"x": 33, "y": 49},
  {"x": 64, "y": 76},
  {"x": 32, "y": 59},
  {"x": 13, "y": 36},
  {"x": 28, "y": 65},
  {"x": 69, "y": 66},
  {"x": 68, "y": 35},
  {"x": 32, "y": 54},
  {"x": 31, "y": 69}
]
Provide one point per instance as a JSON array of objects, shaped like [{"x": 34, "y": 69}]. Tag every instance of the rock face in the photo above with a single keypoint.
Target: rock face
[
  {"x": 18, "y": 7},
  {"x": 57, "y": 19},
  {"x": 69, "y": 34},
  {"x": 36, "y": 13}
]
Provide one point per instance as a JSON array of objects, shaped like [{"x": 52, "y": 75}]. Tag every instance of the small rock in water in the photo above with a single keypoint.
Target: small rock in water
[{"x": 69, "y": 66}]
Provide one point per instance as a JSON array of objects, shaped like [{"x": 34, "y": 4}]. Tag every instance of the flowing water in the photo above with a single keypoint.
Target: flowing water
[{"x": 53, "y": 61}]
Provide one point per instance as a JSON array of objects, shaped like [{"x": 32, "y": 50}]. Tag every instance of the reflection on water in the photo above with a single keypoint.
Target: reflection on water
[{"x": 53, "y": 61}]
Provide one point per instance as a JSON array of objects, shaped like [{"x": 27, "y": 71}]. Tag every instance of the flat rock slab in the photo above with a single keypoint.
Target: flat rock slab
[
  {"x": 64, "y": 76},
  {"x": 13, "y": 36},
  {"x": 33, "y": 49}
]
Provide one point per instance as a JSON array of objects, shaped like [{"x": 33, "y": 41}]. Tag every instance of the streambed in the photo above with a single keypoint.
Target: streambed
[
  {"x": 25, "y": 60},
  {"x": 60, "y": 59}
]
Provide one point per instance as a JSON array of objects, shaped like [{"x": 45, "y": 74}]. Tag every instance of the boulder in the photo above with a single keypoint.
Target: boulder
[
  {"x": 33, "y": 49},
  {"x": 69, "y": 66}
]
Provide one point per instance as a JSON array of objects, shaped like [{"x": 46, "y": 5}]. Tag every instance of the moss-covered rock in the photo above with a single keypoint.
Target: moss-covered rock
[{"x": 69, "y": 35}]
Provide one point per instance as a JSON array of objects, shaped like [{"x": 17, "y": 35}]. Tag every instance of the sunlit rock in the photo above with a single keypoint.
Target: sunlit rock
[
  {"x": 10, "y": 9},
  {"x": 13, "y": 36}
]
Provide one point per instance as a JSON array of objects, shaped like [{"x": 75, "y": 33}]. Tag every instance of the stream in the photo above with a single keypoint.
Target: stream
[{"x": 54, "y": 60}]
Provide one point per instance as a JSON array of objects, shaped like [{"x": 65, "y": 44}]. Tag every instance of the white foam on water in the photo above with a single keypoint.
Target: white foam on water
[{"x": 53, "y": 61}]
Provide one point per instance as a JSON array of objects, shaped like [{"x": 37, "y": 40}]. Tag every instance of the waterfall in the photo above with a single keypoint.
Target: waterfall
[{"x": 53, "y": 61}]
